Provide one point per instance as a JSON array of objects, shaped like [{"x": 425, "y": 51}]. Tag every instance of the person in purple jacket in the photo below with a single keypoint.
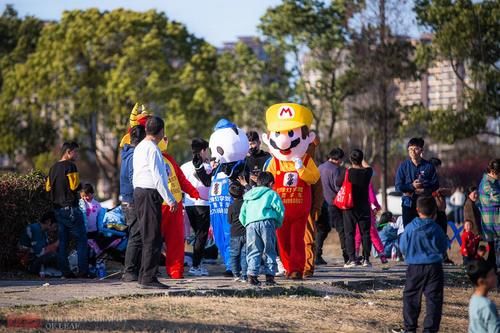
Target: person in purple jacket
[{"x": 332, "y": 175}]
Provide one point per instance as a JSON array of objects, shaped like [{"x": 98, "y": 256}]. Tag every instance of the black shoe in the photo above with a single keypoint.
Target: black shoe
[
  {"x": 270, "y": 280},
  {"x": 129, "y": 277},
  {"x": 228, "y": 274},
  {"x": 153, "y": 285},
  {"x": 320, "y": 261},
  {"x": 253, "y": 280}
]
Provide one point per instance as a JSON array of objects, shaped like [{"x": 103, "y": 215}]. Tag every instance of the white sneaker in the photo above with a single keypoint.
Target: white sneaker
[
  {"x": 281, "y": 270},
  {"x": 350, "y": 264},
  {"x": 203, "y": 270},
  {"x": 195, "y": 271}
]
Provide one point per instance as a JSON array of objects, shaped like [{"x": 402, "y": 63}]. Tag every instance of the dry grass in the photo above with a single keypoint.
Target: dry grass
[
  {"x": 373, "y": 310},
  {"x": 368, "y": 311}
]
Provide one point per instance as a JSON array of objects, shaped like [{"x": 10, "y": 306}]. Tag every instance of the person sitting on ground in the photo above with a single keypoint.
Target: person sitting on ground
[
  {"x": 34, "y": 249},
  {"x": 470, "y": 243},
  {"x": 388, "y": 233},
  {"x": 483, "y": 315},
  {"x": 262, "y": 213},
  {"x": 238, "y": 249},
  {"x": 423, "y": 244}
]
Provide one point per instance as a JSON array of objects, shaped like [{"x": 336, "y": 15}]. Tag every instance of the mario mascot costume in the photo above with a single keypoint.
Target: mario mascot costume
[
  {"x": 229, "y": 146},
  {"x": 294, "y": 171},
  {"x": 172, "y": 224}
]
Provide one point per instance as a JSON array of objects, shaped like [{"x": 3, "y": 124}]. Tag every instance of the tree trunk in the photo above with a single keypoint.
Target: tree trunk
[{"x": 385, "y": 110}]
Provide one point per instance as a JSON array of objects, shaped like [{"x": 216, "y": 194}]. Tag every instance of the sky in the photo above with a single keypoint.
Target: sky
[{"x": 216, "y": 21}]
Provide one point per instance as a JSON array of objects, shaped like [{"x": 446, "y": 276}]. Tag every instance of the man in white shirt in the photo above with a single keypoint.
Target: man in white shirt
[
  {"x": 150, "y": 181},
  {"x": 198, "y": 211}
]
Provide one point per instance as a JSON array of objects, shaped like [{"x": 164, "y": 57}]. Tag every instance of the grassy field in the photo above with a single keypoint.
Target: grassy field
[{"x": 374, "y": 308}]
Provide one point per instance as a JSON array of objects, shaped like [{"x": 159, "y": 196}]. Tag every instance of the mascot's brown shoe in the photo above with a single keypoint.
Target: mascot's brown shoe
[
  {"x": 295, "y": 276},
  {"x": 308, "y": 274}
]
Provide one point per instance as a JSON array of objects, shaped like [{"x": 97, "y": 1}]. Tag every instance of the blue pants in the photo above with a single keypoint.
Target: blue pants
[
  {"x": 70, "y": 223},
  {"x": 238, "y": 252},
  {"x": 261, "y": 247},
  {"x": 222, "y": 236}
]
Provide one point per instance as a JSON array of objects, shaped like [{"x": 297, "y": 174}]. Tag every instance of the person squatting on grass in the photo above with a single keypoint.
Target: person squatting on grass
[
  {"x": 423, "y": 243},
  {"x": 262, "y": 213}
]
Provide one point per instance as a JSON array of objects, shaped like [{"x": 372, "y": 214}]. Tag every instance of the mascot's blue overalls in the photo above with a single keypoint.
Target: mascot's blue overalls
[
  {"x": 219, "y": 201},
  {"x": 229, "y": 146}
]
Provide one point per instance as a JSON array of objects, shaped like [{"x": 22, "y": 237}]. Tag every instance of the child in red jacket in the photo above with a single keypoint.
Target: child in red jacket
[{"x": 470, "y": 243}]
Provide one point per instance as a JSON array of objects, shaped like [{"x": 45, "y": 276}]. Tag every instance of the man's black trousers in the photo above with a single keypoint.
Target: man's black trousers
[{"x": 148, "y": 208}]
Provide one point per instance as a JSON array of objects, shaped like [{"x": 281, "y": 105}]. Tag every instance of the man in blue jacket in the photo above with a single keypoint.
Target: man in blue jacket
[
  {"x": 415, "y": 177},
  {"x": 134, "y": 245},
  {"x": 423, "y": 244}
]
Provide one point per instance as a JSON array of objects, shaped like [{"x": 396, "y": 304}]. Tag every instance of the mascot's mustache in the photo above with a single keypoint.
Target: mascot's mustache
[{"x": 286, "y": 151}]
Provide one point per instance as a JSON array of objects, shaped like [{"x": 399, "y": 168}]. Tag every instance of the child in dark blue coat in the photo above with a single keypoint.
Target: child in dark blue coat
[{"x": 423, "y": 244}]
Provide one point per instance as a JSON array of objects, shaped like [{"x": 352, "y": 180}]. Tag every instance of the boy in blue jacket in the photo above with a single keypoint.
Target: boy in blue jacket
[
  {"x": 423, "y": 244},
  {"x": 261, "y": 214}
]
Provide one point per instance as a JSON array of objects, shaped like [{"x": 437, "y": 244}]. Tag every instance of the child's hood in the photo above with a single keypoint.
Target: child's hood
[
  {"x": 426, "y": 226},
  {"x": 256, "y": 193}
]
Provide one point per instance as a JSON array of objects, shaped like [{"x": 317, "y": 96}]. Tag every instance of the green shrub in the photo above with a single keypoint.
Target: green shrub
[{"x": 22, "y": 201}]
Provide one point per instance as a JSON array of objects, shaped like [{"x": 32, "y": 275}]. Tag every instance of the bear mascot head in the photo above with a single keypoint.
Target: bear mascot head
[{"x": 229, "y": 146}]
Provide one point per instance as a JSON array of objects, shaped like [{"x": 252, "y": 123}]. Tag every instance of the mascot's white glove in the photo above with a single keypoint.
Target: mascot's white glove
[{"x": 298, "y": 163}]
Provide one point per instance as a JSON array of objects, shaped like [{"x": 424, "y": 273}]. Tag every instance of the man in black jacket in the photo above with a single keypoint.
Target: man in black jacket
[{"x": 256, "y": 158}]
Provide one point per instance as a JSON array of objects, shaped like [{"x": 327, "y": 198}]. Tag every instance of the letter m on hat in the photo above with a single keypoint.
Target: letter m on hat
[{"x": 286, "y": 112}]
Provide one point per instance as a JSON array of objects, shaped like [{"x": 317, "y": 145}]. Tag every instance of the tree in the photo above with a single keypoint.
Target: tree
[
  {"x": 380, "y": 56},
  {"x": 314, "y": 35},
  {"x": 250, "y": 82},
  {"x": 466, "y": 33},
  {"x": 90, "y": 68},
  {"x": 18, "y": 39}
]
